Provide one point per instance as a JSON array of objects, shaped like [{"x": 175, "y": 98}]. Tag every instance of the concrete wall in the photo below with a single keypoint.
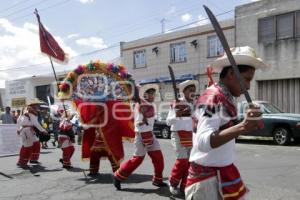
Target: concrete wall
[{"x": 284, "y": 55}]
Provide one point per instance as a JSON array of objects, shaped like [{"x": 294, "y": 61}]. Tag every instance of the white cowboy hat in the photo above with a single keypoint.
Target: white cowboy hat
[
  {"x": 35, "y": 101},
  {"x": 242, "y": 56},
  {"x": 146, "y": 87},
  {"x": 186, "y": 83}
]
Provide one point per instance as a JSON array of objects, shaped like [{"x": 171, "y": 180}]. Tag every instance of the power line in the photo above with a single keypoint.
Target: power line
[
  {"x": 195, "y": 22},
  {"x": 42, "y": 9},
  {"x": 13, "y": 6},
  {"x": 26, "y": 8},
  {"x": 150, "y": 19},
  {"x": 189, "y": 24},
  {"x": 131, "y": 29},
  {"x": 179, "y": 12},
  {"x": 7, "y": 68}
]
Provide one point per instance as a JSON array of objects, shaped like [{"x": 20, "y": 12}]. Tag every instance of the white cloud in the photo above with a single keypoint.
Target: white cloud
[
  {"x": 92, "y": 42},
  {"x": 32, "y": 27},
  {"x": 171, "y": 11},
  {"x": 86, "y": 1},
  {"x": 20, "y": 47},
  {"x": 186, "y": 17},
  {"x": 73, "y": 35},
  {"x": 202, "y": 20}
]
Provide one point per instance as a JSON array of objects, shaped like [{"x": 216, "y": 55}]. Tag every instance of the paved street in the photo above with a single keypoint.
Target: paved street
[{"x": 271, "y": 172}]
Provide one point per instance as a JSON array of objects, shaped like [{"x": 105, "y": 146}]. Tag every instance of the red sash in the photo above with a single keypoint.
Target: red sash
[
  {"x": 231, "y": 184},
  {"x": 186, "y": 138},
  {"x": 182, "y": 106},
  {"x": 147, "y": 138},
  {"x": 146, "y": 109},
  {"x": 213, "y": 98}
]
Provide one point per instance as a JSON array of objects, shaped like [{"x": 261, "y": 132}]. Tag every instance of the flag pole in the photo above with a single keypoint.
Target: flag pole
[
  {"x": 54, "y": 72},
  {"x": 48, "y": 43},
  {"x": 57, "y": 84}
]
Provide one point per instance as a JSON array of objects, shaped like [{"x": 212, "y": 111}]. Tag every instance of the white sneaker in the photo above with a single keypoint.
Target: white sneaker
[{"x": 174, "y": 190}]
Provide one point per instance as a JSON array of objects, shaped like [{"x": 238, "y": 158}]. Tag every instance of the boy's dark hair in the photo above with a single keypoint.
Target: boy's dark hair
[
  {"x": 242, "y": 68},
  {"x": 150, "y": 90}
]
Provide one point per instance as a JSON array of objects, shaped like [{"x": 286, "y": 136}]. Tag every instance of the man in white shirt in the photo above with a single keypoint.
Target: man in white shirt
[
  {"x": 30, "y": 149},
  {"x": 145, "y": 141},
  {"x": 212, "y": 174},
  {"x": 181, "y": 122}
]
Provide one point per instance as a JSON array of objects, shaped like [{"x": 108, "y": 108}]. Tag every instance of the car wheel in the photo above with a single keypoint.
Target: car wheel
[
  {"x": 281, "y": 136},
  {"x": 165, "y": 133}
]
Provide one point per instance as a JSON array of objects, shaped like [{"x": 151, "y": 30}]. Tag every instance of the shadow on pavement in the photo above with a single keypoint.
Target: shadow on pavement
[
  {"x": 264, "y": 142},
  {"x": 138, "y": 178},
  {"x": 39, "y": 168},
  {"x": 99, "y": 178},
  {"x": 75, "y": 169},
  {"x": 164, "y": 192},
  {"x": 49, "y": 148},
  {"x": 107, "y": 179}
]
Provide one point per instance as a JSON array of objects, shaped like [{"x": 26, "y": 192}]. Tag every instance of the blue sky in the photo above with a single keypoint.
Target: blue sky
[{"x": 82, "y": 26}]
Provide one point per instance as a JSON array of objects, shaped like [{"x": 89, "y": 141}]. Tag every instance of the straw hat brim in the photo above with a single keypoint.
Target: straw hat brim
[
  {"x": 222, "y": 62},
  {"x": 35, "y": 102},
  {"x": 184, "y": 84},
  {"x": 144, "y": 88}
]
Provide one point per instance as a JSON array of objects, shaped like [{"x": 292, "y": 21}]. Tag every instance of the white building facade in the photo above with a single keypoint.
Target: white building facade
[{"x": 188, "y": 51}]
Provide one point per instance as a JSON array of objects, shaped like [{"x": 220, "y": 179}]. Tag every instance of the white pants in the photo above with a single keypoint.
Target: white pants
[
  {"x": 64, "y": 141},
  {"x": 204, "y": 190},
  {"x": 181, "y": 151},
  {"x": 140, "y": 149}
]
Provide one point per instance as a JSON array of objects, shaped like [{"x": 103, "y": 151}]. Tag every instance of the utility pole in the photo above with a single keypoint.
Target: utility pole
[{"x": 163, "y": 24}]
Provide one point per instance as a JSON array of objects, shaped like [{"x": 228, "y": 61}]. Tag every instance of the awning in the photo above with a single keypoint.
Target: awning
[
  {"x": 166, "y": 79},
  {"x": 148, "y": 81}
]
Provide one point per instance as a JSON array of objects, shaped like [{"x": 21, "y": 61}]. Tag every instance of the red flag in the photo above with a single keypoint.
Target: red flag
[{"x": 49, "y": 45}]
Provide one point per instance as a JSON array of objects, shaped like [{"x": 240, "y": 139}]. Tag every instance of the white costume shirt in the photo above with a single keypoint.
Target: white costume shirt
[
  {"x": 25, "y": 126},
  {"x": 202, "y": 153},
  {"x": 138, "y": 117},
  {"x": 140, "y": 149},
  {"x": 179, "y": 123}
]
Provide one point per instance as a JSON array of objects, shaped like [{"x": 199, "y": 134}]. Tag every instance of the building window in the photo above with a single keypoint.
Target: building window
[
  {"x": 139, "y": 58},
  {"x": 178, "y": 52},
  {"x": 285, "y": 26},
  {"x": 43, "y": 92},
  {"x": 215, "y": 47},
  {"x": 266, "y": 29},
  {"x": 297, "y": 24}
]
